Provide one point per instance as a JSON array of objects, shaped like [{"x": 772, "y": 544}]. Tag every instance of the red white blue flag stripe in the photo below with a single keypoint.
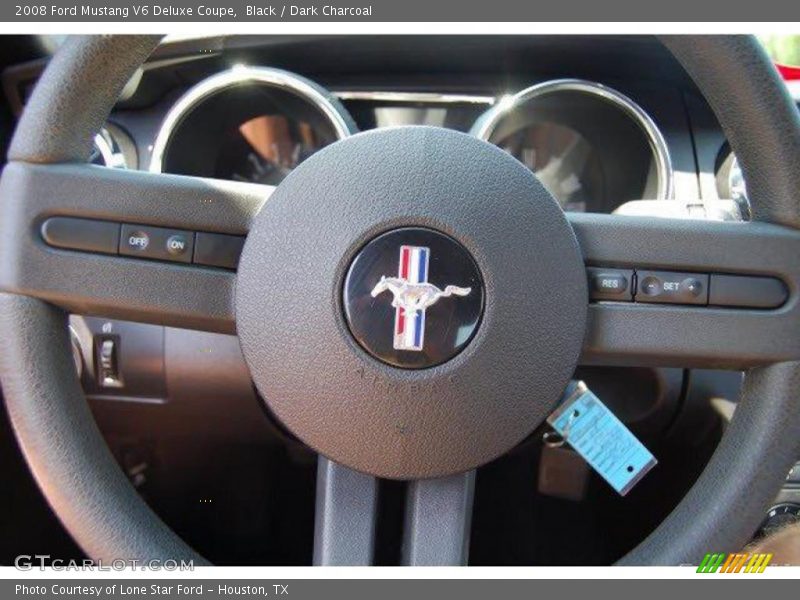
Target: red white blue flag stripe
[{"x": 409, "y": 327}]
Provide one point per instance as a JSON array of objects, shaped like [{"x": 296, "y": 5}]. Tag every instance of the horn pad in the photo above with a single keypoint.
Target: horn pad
[{"x": 293, "y": 301}]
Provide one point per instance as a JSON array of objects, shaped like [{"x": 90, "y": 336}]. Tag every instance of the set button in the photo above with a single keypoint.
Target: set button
[{"x": 667, "y": 287}]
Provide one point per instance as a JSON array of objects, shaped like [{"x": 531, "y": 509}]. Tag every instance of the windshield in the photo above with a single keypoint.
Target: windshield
[{"x": 783, "y": 49}]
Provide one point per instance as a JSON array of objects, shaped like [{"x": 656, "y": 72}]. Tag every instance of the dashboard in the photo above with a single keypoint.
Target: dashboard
[
  {"x": 250, "y": 109},
  {"x": 600, "y": 131}
]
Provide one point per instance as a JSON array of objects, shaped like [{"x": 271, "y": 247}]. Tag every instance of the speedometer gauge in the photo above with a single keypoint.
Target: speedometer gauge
[{"x": 248, "y": 124}]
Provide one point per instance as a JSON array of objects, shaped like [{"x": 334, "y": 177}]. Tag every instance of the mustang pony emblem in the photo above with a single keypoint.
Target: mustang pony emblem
[
  {"x": 412, "y": 295},
  {"x": 415, "y": 296}
]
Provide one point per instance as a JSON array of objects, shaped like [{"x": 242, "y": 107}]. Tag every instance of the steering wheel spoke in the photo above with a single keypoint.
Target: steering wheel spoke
[
  {"x": 438, "y": 520},
  {"x": 704, "y": 335},
  {"x": 346, "y": 515},
  {"x": 109, "y": 284}
]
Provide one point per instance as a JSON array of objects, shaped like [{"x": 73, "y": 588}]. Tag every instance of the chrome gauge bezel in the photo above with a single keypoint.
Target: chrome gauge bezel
[
  {"x": 486, "y": 124},
  {"x": 338, "y": 117}
]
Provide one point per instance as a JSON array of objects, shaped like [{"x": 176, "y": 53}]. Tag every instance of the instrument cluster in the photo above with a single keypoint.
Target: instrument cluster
[{"x": 591, "y": 146}]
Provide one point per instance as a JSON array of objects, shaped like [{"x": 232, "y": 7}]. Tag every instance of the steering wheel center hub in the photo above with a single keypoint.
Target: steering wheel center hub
[
  {"x": 424, "y": 224},
  {"x": 413, "y": 297}
]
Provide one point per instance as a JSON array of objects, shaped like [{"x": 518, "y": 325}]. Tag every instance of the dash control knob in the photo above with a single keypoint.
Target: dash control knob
[{"x": 779, "y": 516}]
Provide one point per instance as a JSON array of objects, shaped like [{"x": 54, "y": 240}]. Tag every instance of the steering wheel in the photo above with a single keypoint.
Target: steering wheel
[{"x": 311, "y": 333}]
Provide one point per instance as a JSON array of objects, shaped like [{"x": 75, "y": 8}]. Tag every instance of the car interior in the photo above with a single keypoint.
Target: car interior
[{"x": 213, "y": 257}]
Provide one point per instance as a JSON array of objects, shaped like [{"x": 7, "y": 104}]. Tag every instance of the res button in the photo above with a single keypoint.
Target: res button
[{"x": 610, "y": 284}]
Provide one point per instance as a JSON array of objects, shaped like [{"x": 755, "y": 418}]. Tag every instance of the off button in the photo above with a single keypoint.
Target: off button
[{"x": 137, "y": 241}]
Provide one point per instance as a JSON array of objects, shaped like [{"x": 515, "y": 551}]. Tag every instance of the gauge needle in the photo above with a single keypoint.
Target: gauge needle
[
  {"x": 270, "y": 138},
  {"x": 561, "y": 172}
]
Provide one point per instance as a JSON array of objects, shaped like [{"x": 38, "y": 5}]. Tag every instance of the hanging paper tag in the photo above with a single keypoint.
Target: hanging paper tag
[{"x": 601, "y": 439}]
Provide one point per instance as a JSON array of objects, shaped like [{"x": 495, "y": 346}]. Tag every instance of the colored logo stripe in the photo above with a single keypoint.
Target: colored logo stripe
[{"x": 409, "y": 328}]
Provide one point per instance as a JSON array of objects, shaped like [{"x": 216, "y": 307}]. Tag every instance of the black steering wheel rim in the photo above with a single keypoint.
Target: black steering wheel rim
[{"x": 105, "y": 515}]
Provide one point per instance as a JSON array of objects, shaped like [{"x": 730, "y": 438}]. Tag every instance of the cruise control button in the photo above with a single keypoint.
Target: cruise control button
[
  {"x": 137, "y": 241},
  {"x": 157, "y": 243},
  {"x": 672, "y": 288},
  {"x": 651, "y": 286},
  {"x": 218, "y": 250},
  {"x": 747, "y": 292},
  {"x": 81, "y": 234},
  {"x": 692, "y": 286},
  {"x": 610, "y": 284},
  {"x": 177, "y": 244}
]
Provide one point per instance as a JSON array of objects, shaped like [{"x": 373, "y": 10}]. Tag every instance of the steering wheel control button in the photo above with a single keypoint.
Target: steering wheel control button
[
  {"x": 747, "y": 292},
  {"x": 143, "y": 241},
  {"x": 218, "y": 250},
  {"x": 177, "y": 244},
  {"x": 666, "y": 287},
  {"x": 413, "y": 297},
  {"x": 651, "y": 286},
  {"x": 692, "y": 286},
  {"x": 157, "y": 243},
  {"x": 87, "y": 235},
  {"x": 136, "y": 241},
  {"x": 610, "y": 284}
]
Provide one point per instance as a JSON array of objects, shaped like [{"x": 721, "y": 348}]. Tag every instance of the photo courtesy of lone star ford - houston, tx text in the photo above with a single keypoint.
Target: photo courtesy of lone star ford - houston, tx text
[{"x": 398, "y": 299}]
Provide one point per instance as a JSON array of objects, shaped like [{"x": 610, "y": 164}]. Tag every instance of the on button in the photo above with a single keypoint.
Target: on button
[{"x": 177, "y": 244}]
